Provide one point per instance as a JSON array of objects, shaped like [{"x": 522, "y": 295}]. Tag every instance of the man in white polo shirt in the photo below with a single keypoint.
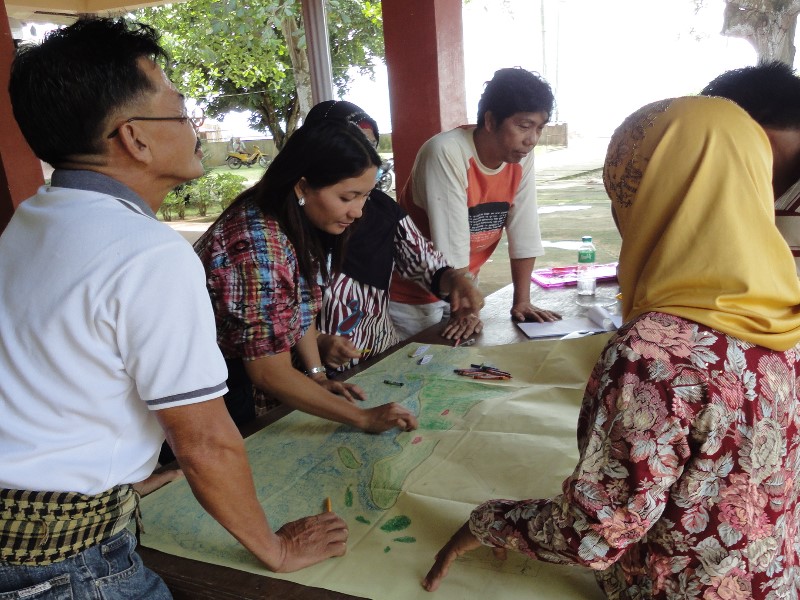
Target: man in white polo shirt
[{"x": 107, "y": 338}]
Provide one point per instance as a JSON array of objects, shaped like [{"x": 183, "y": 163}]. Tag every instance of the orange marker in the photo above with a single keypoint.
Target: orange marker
[{"x": 328, "y": 504}]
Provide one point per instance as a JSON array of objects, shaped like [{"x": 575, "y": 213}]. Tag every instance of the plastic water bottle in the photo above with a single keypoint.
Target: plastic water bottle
[{"x": 587, "y": 284}]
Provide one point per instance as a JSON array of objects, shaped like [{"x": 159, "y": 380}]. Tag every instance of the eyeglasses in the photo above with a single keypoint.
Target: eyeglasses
[{"x": 197, "y": 118}]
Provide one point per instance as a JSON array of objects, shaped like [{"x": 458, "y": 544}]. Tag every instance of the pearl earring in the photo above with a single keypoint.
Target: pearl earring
[{"x": 301, "y": 201}]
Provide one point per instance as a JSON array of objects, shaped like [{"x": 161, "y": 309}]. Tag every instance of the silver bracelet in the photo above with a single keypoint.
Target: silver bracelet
[{"x": 315, "y": 370}]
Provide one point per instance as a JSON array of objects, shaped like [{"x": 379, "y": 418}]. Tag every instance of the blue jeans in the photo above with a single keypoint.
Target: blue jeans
[{"x": 111, "y": 570}]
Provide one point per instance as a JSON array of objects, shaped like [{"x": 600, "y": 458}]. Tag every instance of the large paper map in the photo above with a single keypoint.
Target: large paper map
[{"x": 404, "y": 494}]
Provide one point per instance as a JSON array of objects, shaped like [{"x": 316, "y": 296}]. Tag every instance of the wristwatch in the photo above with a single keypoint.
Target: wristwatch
[{"x": 315, "y": 370}]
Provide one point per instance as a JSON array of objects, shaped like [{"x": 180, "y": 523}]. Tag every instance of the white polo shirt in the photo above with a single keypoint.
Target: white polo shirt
[{"x": 104, "y": 318}]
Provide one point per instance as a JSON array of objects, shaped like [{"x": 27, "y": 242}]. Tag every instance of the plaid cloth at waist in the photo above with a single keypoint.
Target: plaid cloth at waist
[{"x": 40, "y": 528}]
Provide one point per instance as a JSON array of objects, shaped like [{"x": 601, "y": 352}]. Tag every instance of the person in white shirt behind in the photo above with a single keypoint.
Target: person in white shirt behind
[{"x": 770, "y": 93}]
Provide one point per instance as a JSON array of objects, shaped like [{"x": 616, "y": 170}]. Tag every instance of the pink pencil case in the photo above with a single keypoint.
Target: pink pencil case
[{"x": 564, "y": 276}]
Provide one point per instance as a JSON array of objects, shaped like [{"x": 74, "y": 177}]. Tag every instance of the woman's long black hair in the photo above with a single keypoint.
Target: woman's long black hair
[{"x": 323, "y": 153}]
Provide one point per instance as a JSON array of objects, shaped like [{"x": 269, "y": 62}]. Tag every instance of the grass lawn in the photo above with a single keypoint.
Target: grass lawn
[
  {"x": 252, "y": 174},
  {"x": 569, "y": 208}
]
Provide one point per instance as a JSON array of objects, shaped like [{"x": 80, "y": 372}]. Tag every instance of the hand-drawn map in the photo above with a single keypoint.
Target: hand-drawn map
[{"x": 403, "y": 494}]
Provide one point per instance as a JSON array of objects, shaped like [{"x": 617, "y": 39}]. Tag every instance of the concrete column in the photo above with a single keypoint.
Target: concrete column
[
  {"x": 20, "y": 170},
  {"x": 319, "y": 52},
  {"x": 425, "y": 62}
]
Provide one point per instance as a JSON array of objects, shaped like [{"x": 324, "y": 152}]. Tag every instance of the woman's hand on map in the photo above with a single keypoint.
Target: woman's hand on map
[
  {"x": 388, "y": 416},
  {"x": 462, "y": 324},
  {"x": 462, "y": 542},
  {"x": 336, "y": 350},
  {"x": 310, "y": 540},
  {"x": 348, "y": 391}
]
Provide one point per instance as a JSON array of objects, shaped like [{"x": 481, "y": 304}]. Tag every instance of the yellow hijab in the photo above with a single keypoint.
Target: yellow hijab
[{"x": 690, "y": 185}]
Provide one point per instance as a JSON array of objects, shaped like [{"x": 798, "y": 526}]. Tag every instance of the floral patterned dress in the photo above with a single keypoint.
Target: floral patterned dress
[{"x": 685, "y": 487}]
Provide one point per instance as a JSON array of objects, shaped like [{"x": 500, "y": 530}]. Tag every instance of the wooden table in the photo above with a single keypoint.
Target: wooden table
[
  {"x": 500, "y": 329},
  {"x": 195, "y": 580}
]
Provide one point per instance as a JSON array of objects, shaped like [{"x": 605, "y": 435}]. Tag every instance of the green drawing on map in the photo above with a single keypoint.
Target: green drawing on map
[
  {"x": 396, "y": 523},
  {"x": 405, "y": 540},
  {"x": 300, "y": 460},
  {"x": 387, "y": 549},
  {"x": 348, "y": 497},
  {"x": 348, "y": 458}
]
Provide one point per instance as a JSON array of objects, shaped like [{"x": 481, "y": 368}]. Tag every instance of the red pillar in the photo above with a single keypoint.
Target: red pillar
[
  {"x": 425, "y": 63},
  {"x": 20, "y": 170}
]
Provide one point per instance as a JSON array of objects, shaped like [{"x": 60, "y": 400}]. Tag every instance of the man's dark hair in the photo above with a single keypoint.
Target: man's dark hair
[
  {"x": 769, "y": 92},
  {"x": 64, "y": 89},
  {"x": 515, "y": 90}
]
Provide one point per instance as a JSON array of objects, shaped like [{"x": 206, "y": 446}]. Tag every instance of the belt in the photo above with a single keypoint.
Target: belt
[{"x": 40, "y": 528}]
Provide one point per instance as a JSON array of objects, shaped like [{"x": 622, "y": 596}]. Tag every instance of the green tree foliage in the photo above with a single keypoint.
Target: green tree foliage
[
  {"x": 210, "y": 190},
  {"x": 252, "y": 54}
]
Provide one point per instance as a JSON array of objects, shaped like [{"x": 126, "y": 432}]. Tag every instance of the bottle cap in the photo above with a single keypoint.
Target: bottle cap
[{"x": 586, "y": 238}]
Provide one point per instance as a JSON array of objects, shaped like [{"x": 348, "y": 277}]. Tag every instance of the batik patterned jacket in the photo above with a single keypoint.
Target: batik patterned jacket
[
  {"x": 262, "y": 303},
  {"x": 686, "y": 485}
]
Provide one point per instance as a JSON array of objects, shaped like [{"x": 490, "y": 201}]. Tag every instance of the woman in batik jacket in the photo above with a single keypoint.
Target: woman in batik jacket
[{"x": 265, "y": 258}]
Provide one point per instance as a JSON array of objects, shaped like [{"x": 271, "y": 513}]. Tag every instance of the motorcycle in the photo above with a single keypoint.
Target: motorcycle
[
  {"x": 236, "y": 159},
  {"x": 386, "y": 176}
]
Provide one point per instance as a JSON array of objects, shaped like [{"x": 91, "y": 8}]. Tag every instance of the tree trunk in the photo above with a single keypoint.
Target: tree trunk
[
  {"x": 769, "y": 25},
  {"x": 299, "y": 57},
  {"x": 270, "y": 116},
  {"x": 272, "y": 119}
]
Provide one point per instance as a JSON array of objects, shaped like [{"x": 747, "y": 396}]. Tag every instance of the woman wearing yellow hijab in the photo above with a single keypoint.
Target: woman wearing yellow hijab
[
  {"x": 688, "y": 435},
  {"x": 693, "y": 204}
]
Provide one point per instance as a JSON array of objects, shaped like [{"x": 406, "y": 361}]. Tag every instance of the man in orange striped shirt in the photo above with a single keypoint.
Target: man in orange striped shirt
[{"x": 468, "y": 185}]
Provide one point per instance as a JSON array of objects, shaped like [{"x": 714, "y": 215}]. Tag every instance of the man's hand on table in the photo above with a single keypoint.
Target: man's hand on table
[
  {"x": 525, "y": 311},
  {"x": 462, "y": 542},
  {"x": 310, "y": 540}
]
